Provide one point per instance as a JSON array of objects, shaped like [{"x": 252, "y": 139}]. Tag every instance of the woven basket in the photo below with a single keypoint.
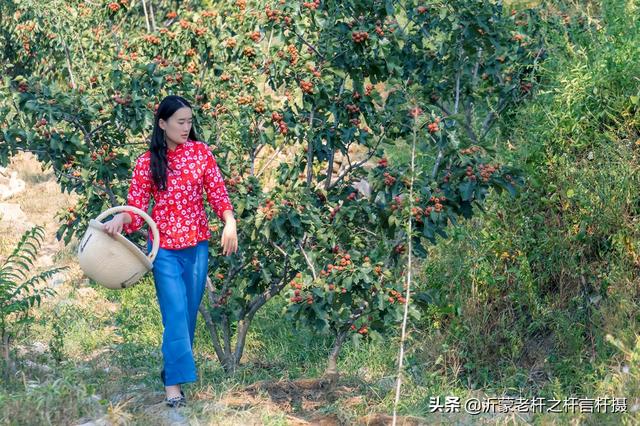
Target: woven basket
[{"x": 115, "y": 262}]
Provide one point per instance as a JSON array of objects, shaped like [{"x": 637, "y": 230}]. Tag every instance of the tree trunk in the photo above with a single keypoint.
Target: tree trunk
[
  {"x": 10, "y": 367},
  {"x": 327, "y": 184},
  {"x": 332, "y": 364},
  {"x": 310, "y": 150}
]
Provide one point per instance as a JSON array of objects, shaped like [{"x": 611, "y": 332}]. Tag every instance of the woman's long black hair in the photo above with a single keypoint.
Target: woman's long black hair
[{"x": 158, "y": 146}]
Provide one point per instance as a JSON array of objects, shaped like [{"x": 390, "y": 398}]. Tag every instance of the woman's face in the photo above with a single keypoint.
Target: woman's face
[{"x": 178, "y": 126}]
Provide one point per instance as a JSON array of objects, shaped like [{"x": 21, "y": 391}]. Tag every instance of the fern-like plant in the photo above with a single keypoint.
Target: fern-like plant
[{"x": 19, "y": 290}]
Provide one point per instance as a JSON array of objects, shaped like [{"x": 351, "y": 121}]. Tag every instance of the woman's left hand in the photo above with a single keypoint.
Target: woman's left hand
[{"x": 229, "y": 239}]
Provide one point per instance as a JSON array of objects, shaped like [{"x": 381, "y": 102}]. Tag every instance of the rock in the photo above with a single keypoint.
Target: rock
[
  {"x": 11, "y": 212},
  {"x": 363, "y": 188},
  {"x": 35, "y": 366},
  {"x": 57, "y": 279},
  {"x": 39, "y": 347},
  {"x": 10, "y": 185},
  {"x": 45, "y": 260},
  {"x": 99, "y": 422}
]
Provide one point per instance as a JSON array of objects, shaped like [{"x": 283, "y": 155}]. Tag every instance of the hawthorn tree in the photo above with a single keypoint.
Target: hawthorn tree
[{"x": 314, "y": 79}]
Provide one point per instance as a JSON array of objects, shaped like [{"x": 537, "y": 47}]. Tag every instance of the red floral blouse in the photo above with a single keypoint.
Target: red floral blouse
[{"x": 179, "y": 210}]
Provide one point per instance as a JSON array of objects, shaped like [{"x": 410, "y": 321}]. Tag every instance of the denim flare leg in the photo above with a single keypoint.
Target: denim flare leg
[{"x": 180, "y": 277}]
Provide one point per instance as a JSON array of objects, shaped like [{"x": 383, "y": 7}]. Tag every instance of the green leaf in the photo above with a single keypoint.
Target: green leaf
[{"x": 466, "y": 190}]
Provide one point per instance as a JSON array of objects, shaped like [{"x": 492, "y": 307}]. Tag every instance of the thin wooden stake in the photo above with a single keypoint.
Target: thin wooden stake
[
  {"x": 146, "y": 15},
  {"x": 152, "y": 15},
  {"x": 403, "y": 336}
]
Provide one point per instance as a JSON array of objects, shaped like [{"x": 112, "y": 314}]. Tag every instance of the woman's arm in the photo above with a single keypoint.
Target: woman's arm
[
  {"x": 218, "y": 198},
  {"x": 214, "y": 186},
  {"x": 138, "y": 196}
]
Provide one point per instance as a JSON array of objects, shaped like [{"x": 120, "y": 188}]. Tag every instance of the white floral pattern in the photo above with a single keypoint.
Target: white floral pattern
[{"x": 179, "y": 210}]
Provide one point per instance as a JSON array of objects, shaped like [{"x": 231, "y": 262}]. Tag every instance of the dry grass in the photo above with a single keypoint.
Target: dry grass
[{"x": 40, "y": 201}]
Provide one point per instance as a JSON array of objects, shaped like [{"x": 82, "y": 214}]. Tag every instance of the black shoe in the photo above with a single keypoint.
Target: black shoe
[
  {"x": 162, "y": 376},
  {"x": 176, "y": 401}
]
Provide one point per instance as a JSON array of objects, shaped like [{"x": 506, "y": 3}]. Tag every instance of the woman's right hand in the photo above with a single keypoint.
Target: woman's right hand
[{"x": 114, "y": 226}]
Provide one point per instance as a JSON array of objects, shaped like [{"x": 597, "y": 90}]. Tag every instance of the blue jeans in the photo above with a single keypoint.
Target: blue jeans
[{"x": 180, "y": 277}]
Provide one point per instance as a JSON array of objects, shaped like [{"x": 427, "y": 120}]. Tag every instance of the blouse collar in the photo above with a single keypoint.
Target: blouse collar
[{"x": 178, "y": 149}]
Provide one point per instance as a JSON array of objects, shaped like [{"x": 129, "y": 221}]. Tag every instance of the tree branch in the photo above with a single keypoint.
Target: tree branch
[{"x": 306, "y": 258}]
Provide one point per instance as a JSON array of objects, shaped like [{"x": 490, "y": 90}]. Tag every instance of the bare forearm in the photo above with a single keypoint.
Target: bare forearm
[{"x": 227, "y": 216}]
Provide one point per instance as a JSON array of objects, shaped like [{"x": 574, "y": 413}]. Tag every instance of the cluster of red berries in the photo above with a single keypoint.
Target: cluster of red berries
[
  {"x": 388, "y": 179},
  {"x": 313, "y": 5},
  {"x": 396, "y": 296},
  {"x": 435, "y": 126},
  {"x": 399, "y": 249},
  {"x": 368, "y": 89},
  {"x": 260, "y": 107},
  {"x": 268, "y": 209},
  {"x": 121, "y": 100},
  {"x": 279, "y": 120},
  {"x": 272, "y": 15},
  {"x": 200, "y": 31},
  {"x": 297, "y": 286},
  {"x": 353, "y": 109},
  {"x": 114, "y": 7},
  {"x": 172, "y": 14},
  {"x": 177, "y": 77},
  {"x": 487, "y": 171},
  {"x": 161, "y": 61},
  {"x": 232, "y": 182},
  {"x": 306, "y": 86},
  {"x": 422, "y": 9},
  {"x": 362, "y": 330},
  {"x": 343, "y": 260},
  {"x": 255, "y": 36},
  {"x": 219, "y": 110},
  {"x": 242, "y": 4},
  {"x": 231, "y": 42},
  {"x": 471, "y": 150},
  {"x": 437, "y": 204},
  {"x": 415, "y": 112},
  {"x": 470, "y": 174},
  {"x": 382, "y": 163},
  {"x": 152, "y": 39},
  {"x": 313, "y": 70},
  {"x": 396, "y": 203},
  {"x": 249, "y": 52},
  {"x": 359, "y": 36},
  {"x": 101, "y": 153},
  {"x": 293, "y": 54},
  {"x": 417, "y": 213}
]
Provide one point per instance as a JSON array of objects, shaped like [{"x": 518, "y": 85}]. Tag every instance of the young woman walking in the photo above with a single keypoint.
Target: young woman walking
[{"x": 175, "y": 171}]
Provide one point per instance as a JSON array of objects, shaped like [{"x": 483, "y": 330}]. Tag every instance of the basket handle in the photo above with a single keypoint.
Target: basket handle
[{"x": 145, "y": 216}]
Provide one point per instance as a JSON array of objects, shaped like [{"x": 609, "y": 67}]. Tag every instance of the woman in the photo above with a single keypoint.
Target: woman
[{"x": 175, "y": 171}]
